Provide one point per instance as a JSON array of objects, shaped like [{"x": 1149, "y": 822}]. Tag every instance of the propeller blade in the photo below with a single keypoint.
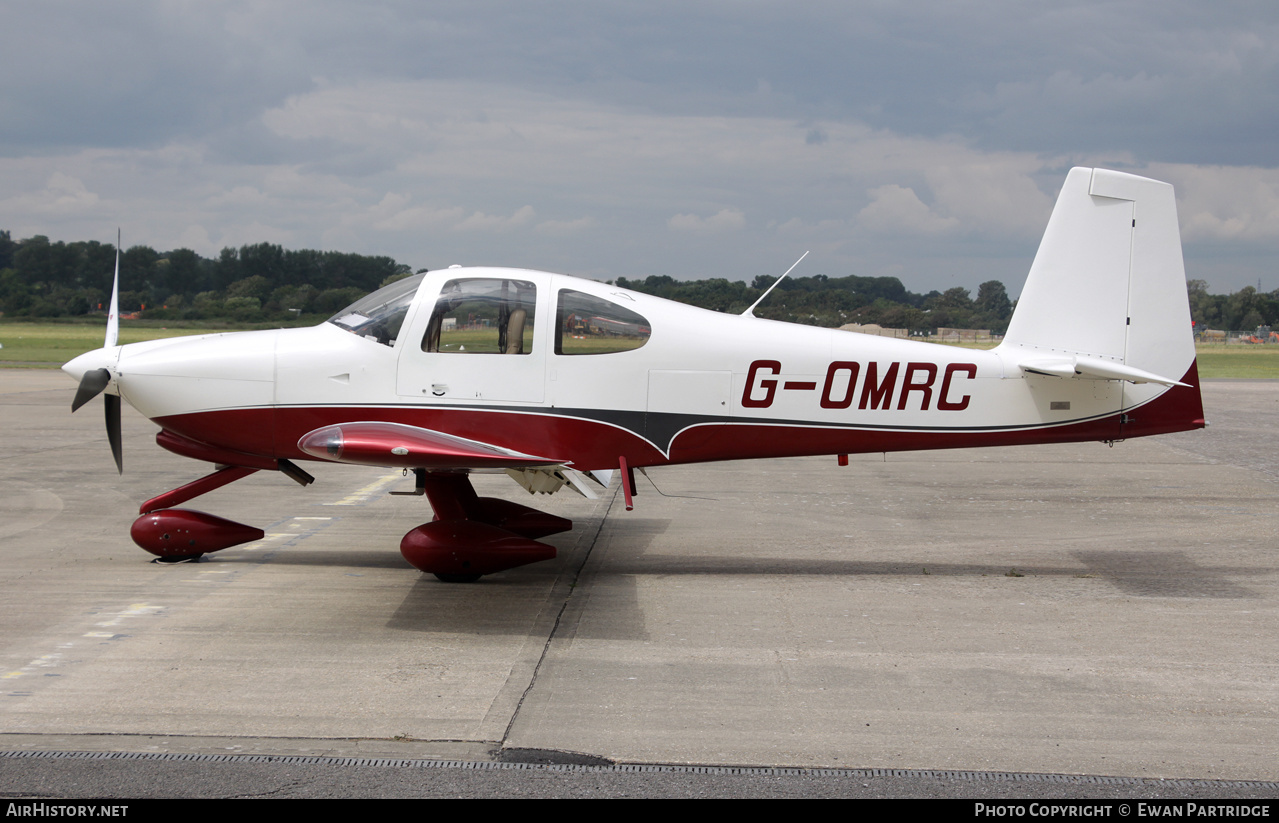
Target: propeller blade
[
  {"x": 91, "y": 385},
  {"x": 113, "y": 430},
  {"x": 113, "y": 311}
]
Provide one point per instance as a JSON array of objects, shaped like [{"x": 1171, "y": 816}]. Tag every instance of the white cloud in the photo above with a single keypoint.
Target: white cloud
[
  {"x": 1229, "y": 204},
  {"x": 898, "y": 210},
  {"x": 994, "y": 195},
  {"x": 725, "y": 220},
  {"x": 61, "y": 195},
  {"x": 565, "y": 228},
  {"x": 197, "y": 239},
  {"x": 393, "y": 214},
  {"x": 481, "y": 222},
  {"x": 240, "y": 197}
]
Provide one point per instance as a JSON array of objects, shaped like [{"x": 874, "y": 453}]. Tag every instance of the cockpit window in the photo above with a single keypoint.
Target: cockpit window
[
  {"x": 379, "y": 316},
  {"x": 483, "y": 316},
  {"x": 591, "y": 325}
]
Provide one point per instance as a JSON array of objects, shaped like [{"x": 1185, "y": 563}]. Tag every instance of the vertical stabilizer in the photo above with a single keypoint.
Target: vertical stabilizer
[{"x": 1108, "y": 286}]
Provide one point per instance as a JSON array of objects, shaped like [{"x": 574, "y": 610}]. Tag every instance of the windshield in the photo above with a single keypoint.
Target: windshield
[{"x": 378, "y": 316}]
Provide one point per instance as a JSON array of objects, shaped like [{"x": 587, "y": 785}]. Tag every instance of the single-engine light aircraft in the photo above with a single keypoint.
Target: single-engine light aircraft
[{"x": 561, "y": 381}]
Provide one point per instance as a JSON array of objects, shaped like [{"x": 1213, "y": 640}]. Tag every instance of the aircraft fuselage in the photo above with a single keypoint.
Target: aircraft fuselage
[{"x": 702, "y": 386}]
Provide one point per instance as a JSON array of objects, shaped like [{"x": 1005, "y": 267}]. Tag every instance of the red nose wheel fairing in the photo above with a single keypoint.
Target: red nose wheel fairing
[{"x": 174, "y": 533}]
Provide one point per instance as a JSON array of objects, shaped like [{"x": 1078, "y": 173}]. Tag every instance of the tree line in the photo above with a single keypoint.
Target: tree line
[
  {"x": 820, "y": 300},
  {"x": 264, "y": 282},
  {"x": 259, "y": 282}
]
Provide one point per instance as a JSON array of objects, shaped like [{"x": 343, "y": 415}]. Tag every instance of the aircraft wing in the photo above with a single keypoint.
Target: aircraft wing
[{"x": 375, "y": 443}]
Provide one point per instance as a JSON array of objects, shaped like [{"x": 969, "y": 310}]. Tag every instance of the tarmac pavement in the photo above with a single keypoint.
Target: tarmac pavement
[{"x": 1068, "y": 609}]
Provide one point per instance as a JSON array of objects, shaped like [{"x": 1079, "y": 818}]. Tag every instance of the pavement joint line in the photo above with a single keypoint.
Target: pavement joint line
[
  {"x": 754, "y": 771},
  {"x": 550, "y": 637}
]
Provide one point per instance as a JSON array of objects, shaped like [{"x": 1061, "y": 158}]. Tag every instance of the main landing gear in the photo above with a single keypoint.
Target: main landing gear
[{"x": 472, "y": 536}]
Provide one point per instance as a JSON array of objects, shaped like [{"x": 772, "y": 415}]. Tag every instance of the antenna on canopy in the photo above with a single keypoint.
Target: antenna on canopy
[
  {"x": 751, "y": 311},
  {"x": 113, "y": 311}
]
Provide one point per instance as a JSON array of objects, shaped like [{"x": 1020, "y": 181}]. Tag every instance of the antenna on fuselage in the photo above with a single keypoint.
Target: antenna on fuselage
[{"x": 751, "y": 311}]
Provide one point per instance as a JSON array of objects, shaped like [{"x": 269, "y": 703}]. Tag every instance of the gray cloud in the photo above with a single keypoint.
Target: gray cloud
[{"x": 922, "y": 140}]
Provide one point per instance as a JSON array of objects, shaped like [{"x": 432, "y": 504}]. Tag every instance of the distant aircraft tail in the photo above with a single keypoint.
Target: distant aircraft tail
[{"x": 1106, "y": 296}]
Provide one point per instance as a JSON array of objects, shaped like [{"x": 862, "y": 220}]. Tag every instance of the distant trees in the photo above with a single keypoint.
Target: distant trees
[
  {"x": 820, "y": 300},
  {"x": 992, "y": 300},
  {"x": 1243, "y": 310},
  {"x": 263, "y": 281},
  {"x": 266, "y": 282},
  {"x": 834, "y": 301}
]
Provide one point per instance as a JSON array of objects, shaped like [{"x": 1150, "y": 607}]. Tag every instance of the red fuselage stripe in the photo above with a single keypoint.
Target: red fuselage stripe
[{"x": 595, "y": 444}]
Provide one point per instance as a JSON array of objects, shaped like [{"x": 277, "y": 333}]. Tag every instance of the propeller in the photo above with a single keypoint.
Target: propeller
[
  {"x": 91, "y": 385},
  {"x": 112, "y": 406},
  {"x": 95, "y": 381}
]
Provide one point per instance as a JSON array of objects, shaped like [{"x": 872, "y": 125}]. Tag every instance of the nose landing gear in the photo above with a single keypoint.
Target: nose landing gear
[
  {"x": 183, "y": 535},
  {"x": 179, "y": 535}
]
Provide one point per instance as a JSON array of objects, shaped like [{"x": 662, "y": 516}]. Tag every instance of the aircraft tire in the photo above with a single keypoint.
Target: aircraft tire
[
  {"x": 173, "y": 559},
  {"x": 457, "y": 578}
]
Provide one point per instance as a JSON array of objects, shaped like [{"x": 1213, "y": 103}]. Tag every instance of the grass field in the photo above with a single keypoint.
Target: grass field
[
  {"x": 1216, "y": 360},
  {"x": 49, "y": 345}
]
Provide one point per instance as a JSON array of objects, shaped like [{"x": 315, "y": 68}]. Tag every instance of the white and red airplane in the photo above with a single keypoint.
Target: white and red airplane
[{"x": 562, "y": 381}]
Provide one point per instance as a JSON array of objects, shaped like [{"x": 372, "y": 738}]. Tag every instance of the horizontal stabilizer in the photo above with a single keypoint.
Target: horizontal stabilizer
[
  {"x": 1090, "y": 368},
  {"x": 374, "y": 443}
]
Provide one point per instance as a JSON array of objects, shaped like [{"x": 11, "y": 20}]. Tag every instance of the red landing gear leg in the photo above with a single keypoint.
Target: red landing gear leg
[
  {"x": 183, "y": 535},
  {"x": 472, "y": 536}
]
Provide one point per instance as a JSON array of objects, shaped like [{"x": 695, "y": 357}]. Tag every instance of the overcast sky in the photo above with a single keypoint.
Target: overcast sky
[{"x": 925, "y": 141}]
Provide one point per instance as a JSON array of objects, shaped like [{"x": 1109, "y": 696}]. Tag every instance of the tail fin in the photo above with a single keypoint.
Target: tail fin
[
  {"x": 1106, "y": 295},
  {"x": 1106, "y": 300}
]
